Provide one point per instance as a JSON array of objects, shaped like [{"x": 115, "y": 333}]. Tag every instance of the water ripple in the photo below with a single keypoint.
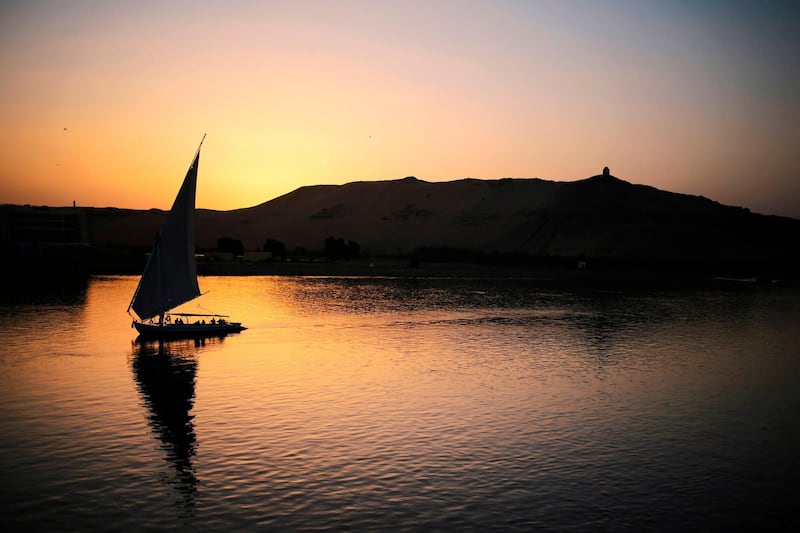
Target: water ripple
[{"x": 387, "y": 404}]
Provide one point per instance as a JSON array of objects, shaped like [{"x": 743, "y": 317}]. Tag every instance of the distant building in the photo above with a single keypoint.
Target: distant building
[
  {"x": 217, "y": 257},
  {"x": 43, "y": 225},
  {"x": 255, "y": 257}
]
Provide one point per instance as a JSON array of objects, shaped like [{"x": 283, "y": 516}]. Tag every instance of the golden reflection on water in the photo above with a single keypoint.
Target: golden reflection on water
[{"x": 363, "y": 402}]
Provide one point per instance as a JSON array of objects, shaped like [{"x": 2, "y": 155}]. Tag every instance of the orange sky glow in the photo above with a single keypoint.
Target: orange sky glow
[{"x": 104, "y": 103}]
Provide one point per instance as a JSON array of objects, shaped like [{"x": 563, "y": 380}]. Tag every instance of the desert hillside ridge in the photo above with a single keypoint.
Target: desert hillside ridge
[{"x": 598, "y": 219}]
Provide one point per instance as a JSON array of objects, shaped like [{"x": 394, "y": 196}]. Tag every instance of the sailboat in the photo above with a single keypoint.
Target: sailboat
[{"x": 170, "y": 276}]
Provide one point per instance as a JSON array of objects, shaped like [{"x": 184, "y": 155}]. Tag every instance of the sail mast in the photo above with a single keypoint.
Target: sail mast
[{"x": 197, "y": 153}]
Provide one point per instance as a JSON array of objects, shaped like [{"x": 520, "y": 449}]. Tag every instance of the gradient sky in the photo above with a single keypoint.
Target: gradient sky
[{"x": 105, "y": 102}]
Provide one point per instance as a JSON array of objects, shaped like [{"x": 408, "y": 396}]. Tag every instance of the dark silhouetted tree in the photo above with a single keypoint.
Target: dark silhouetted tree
[
  {"x": 337, "y": 249},
  {"x": 276, "y": 247},
  {"x": 227, "y": 244},
  {"x": 353, "y": 250},
  {"x": 333, "y": 248}
]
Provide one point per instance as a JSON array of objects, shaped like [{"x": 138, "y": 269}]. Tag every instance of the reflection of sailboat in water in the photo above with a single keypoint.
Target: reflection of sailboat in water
[
  {"x": 170, "y": 276},
  {"x": 165, "y": 376}
]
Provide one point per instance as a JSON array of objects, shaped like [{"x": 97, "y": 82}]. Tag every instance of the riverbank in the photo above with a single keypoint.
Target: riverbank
[
  {"x": 55, "y": 262},
  {"x": 621, "y": 278}
]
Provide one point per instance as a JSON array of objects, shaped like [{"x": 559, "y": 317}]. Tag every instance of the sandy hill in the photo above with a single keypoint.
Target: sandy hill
[
  {"x": 394, "y": 216},
  {"x": 601, "y": 216}
]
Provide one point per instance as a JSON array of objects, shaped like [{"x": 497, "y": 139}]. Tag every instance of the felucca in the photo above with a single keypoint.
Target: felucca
[{"x": 170, "y": 276}]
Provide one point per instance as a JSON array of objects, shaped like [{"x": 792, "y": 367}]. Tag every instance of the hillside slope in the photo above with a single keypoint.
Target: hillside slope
[{"x": 601, "y": 216}]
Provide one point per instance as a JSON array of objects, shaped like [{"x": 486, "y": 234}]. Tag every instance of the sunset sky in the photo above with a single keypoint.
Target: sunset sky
[{"x": 104, "y": 102}]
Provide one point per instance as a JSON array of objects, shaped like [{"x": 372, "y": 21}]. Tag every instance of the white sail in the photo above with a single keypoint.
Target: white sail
[{"x": 170, "y": 276}]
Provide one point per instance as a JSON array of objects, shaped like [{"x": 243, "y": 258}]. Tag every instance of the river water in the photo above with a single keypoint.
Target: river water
[{"x": 393, "y": 404}]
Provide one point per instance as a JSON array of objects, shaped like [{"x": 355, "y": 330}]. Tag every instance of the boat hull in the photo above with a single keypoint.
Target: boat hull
[{"x": 173, "y": 331}]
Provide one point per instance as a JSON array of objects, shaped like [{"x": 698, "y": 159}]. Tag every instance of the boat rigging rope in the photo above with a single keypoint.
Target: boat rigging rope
[{"x": 209, "y": 311}]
